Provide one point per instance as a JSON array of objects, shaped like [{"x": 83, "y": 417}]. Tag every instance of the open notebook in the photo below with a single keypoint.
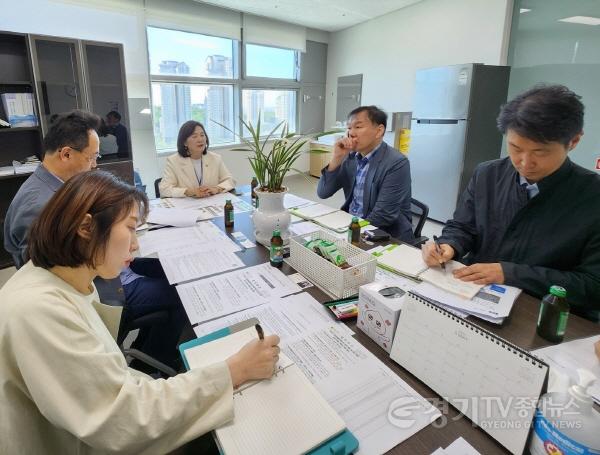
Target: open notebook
[
  {"x": 284, "y": 414},
  {"x": 407, "y": 260}
]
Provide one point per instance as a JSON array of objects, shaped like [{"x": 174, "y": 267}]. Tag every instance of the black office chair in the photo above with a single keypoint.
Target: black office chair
[
  {"x": 111, "y": 293},
  {"x": 419, "y": 212},
  {"x": 156, "y": 187}
]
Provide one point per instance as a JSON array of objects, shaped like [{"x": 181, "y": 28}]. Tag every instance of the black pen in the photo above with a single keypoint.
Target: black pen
[
  {"x": 259, "y": 330},
  {"x": 439, "y": 251}
]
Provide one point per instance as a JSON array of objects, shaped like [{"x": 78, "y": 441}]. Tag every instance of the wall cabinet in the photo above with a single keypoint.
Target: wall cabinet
[{"x": 61, "y": 74}]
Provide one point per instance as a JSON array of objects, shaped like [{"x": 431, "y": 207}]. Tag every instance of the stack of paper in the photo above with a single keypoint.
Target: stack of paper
[
  {"x": 338, "y": 221},
  {"x": 190, "y": 253},
  {"x": 174, "y": 217},
  {"x": 313, "y": 211},
  {"x": 492, "y": 303}
]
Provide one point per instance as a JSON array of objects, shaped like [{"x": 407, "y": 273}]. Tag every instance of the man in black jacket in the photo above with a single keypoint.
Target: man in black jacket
[{"x": 532, "y": 219}]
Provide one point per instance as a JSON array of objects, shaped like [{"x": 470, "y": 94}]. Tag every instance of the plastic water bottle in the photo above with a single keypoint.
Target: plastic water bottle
[{"x": 566, "y": 423}]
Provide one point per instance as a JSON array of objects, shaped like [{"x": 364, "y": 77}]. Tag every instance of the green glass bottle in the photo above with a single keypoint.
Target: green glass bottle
[
  {"x": 228, "y": 213},
  {"x": 354, "y": 231},
  {"x": 276, "y": 250},
  {"x": 554, "y": 312}
]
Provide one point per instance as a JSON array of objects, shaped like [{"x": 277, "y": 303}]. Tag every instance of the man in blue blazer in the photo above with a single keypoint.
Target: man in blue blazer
[{"x": 375, "y": 177}]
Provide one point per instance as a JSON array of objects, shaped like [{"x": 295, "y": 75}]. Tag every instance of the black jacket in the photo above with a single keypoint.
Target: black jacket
[{"x": 554, "y": 238}]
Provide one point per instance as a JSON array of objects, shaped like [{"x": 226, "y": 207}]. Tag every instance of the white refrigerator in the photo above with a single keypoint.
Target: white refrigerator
[{"x": 453, "y": 129}]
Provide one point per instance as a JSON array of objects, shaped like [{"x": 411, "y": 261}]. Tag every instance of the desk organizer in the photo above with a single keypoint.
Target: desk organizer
[{"x": 339, "y": 283}]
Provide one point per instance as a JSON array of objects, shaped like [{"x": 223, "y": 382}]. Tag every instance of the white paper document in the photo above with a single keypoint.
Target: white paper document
[
  {"x": 289, "y": 318},
  {"x": 492, "y": 301},
  {"x": 458, "y": 447},
  {"x": 304, "y": 227},
  {"x": 197, "y": 261},
  {"x": 291, "y": 201},
  {"x": 564, "y": 360},
  {"x": 173, "y": 217},
  {"x": 231, "y": 292},
  {"x": 338, "y": 221},
  {"x": 379, "y": 408},
  {"x": 173, "y": 238},
  {"x": 312, "y": 211}
]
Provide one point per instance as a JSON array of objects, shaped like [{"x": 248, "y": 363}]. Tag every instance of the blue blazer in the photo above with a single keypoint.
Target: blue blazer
[{"x": 386, "y": 194}]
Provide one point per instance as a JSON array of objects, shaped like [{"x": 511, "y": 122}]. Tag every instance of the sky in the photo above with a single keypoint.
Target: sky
[{"x": 193, "y": 49}]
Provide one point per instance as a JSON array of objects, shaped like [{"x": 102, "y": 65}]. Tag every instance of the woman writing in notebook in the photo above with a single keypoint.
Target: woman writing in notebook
[
  {"x": 65, "y": 385},
  {"x": 194, "y": 171}
]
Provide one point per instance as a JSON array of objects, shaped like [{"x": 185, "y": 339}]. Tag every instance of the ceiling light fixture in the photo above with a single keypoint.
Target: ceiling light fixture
[
  {"x": 585, "y": 20},
  {"x": 524, "y": 10}
]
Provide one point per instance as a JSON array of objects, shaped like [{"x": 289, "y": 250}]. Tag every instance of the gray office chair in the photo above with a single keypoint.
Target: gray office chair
[
  {"x": 419, "y": 212},
  {"x": 156, "y": 187},
  {"x": 111, "y": 293}
]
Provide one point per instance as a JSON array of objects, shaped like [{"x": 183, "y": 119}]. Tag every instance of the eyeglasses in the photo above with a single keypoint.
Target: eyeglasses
[{"x": 90, "y": 159}]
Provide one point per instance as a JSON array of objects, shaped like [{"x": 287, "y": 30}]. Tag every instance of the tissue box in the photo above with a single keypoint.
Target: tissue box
[{"x": 379, "y": 306}]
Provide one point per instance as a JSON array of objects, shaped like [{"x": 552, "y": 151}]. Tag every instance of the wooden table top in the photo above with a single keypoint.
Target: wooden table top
[{"x": 519, "y": 329}]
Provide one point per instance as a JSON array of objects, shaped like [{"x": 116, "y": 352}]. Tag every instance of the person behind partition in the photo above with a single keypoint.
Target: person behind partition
[
  {"x": 108, "y": 141},
  {"x": 374, "y": 176},
  {"x": 115, "y": 127},
  {"x": 194, "y": 171},
  {"x": 532, "y": 219},
  {"x": 66, "y": 387}
]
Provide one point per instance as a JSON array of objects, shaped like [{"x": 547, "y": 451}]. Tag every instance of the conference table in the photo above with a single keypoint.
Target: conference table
[{"x": 518, "y": 328}]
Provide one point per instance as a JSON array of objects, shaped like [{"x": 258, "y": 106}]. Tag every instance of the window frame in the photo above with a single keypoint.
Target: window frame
[{"x": 239, "y": 81}]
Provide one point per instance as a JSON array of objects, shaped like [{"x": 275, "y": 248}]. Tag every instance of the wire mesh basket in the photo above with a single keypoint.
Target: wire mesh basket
[{"x": 338, "y": 282}]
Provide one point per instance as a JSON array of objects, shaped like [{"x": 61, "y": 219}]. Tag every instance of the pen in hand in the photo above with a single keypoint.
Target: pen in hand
[
  {"x": 259, "y": 330},
  {"x": 438, "y": 249}
]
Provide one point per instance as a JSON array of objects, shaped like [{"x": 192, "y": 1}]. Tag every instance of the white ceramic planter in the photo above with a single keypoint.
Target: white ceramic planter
[{"x": 270, "y": 215}]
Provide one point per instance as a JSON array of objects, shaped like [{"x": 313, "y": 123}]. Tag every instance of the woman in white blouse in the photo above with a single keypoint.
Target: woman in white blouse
[
  {"x": 194, "y": 171},
  {"x": 65, "y": 386}
]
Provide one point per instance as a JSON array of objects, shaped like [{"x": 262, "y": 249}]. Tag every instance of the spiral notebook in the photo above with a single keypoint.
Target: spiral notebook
[
  {"x": 284, "y": 414},
  {"x": 491, "y": 381}
]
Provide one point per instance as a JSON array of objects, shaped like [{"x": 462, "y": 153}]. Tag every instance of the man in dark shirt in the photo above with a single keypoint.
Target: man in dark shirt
[
  {"x": 532, "y": 219},
  {"x": 113, "y": 121}
]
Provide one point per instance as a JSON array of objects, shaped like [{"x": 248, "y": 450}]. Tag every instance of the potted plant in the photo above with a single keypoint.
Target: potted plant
[{"x": 270, "y": 166}]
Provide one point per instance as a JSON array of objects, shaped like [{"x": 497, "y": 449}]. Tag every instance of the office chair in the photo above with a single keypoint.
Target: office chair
[
  {"x": 420, "y": 212},
  {"x": 111, "y": 293},
  {"x": 156, "y": 188}
]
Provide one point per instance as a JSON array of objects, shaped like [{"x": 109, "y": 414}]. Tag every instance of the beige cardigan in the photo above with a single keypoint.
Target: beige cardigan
[
  {"x": 65, "y": 387},
  {"x": 179, "y": 175}
]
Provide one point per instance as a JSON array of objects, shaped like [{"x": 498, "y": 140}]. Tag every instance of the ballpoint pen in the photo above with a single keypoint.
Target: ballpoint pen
[
  {"x": 259, "y": 330},
  {"x": 438, "y": 249}
]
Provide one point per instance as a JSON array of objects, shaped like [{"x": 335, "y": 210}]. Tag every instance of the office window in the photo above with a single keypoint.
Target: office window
[
  {"x": 274, "y": 106},
  {"x": 271, "y": 62},
  {"x": 175, "y": 53},
  {"x": 197, "y": 77},
  {"x": 174, "y": 104}
]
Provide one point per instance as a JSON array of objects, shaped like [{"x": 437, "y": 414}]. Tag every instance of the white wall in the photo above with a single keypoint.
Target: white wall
[
  {"x": 120, "y": 21},
  {"x": 389, "y": 49}
]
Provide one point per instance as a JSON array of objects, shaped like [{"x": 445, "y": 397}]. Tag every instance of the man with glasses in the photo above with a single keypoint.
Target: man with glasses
[{"x": 71, "y": 147}]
